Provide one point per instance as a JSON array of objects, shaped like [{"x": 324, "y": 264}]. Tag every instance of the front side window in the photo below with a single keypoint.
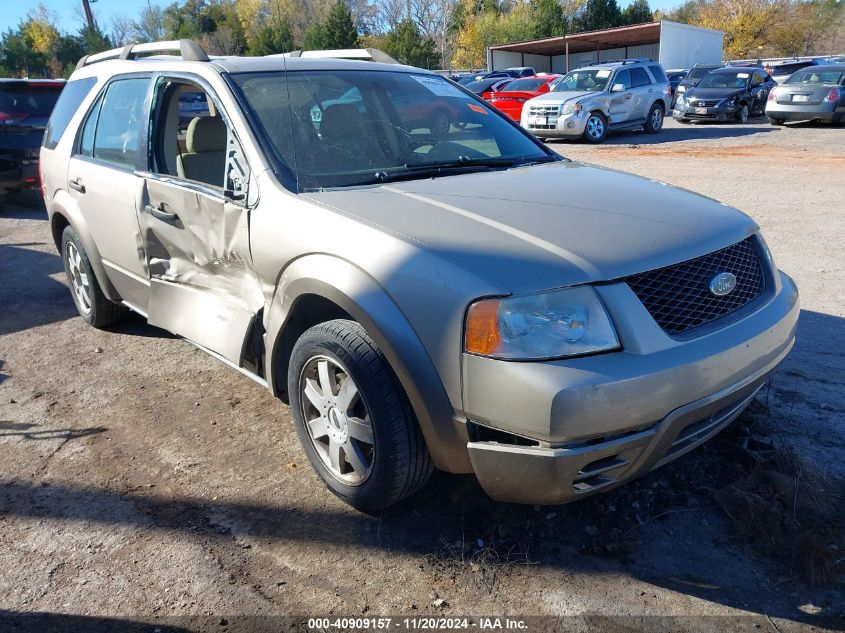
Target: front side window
[
  {"x": 115, "y": 135},
  {"x": 623, "y": 77},
  {"x": 757, "y": 80},
  {"x": 583, "y": 80},
  {"x": 348, "y": 127}
]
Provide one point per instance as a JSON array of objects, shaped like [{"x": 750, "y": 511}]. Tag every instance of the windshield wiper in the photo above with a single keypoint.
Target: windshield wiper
[{"x": 459, "y": 165}]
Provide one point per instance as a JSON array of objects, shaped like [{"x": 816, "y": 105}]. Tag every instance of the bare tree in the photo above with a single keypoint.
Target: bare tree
[
  {"x": 122, "y": 30},
  {"x": 150, "y": 24}
]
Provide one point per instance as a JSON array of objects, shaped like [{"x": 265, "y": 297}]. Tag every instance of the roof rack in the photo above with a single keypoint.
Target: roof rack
[
  {"x": 367, "y": 54},
  {"x": 189, "y": 50}
]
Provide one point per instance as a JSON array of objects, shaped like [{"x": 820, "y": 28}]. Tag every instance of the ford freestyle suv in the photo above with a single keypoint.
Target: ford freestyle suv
[
  {"x": 25, "y": 106},
  {"x": 462, "y": 299},
  {"x": 591, "y": 101}
]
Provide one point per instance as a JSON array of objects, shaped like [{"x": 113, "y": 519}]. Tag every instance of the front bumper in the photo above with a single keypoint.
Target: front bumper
[
  {"x": 561, "y": 126},
  {"x": 599, "y": 421},
  {"x": 683, "y": 111},
  {"x": 794, "y": 112}
]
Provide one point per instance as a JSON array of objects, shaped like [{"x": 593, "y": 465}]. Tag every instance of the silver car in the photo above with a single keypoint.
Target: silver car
[
  {"x": 590, "y": 102},
  {"x": 462, "y": 299},
  {"x": 814, "y": 93}
]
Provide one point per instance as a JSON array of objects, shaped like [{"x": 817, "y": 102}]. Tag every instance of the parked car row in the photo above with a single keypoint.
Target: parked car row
[{"x": 25, "y": 107}]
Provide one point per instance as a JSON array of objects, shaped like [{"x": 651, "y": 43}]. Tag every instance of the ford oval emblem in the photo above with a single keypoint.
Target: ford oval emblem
[{"x": 723, "y": 284}]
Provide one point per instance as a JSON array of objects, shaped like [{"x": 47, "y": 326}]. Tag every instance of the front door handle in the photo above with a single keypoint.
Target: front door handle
[
  {"x": 77, "y": 185},
  {"x": 160, "y": 212}
]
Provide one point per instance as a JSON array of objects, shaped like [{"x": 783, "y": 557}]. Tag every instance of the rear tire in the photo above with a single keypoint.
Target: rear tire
[
  {"x": 367, "y": 448},
  {"x": 777, "y": 122},
  {"x": 93, "y": 306},
  {"x": 595, "y": 131},
  {"x": 654, "y": 120}
]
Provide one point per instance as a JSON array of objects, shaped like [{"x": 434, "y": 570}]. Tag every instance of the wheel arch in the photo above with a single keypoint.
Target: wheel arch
[
  {"x": 63, "y": 216},
  {"x": 316, "y": 288}
]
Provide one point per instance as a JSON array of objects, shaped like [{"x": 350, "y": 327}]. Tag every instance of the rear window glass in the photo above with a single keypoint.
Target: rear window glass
[
  {"x": 28, "y": 99},
  {"x": 68, "y": 103},
  {"x": 658, "y": 74},
  {"x": 816, "y": 77},
  {"x": 697, "y": 73},
  {"x": 788, "y": 69},
  {"x": 639, "y": 77},
  {"x": 524, "y": 84}
]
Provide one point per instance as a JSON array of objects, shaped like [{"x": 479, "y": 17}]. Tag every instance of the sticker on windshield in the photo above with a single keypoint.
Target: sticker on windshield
[
  {"x": 438, "y": 86},
  {"x": 742, "y": 75},
  {"x": 476, "y": 108},
  {"x": 602, "y": 74}
]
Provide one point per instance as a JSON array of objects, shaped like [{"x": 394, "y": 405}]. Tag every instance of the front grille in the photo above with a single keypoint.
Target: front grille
[
  {"x": 535, "y": 126},
  {"x": 539, "y": 110},
  {"x": 679, "y": 296},
  {"x": 703, "y": 104}
]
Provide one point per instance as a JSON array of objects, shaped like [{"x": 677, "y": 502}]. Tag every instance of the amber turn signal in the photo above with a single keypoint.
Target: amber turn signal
[{"x": 482, "y": 331}]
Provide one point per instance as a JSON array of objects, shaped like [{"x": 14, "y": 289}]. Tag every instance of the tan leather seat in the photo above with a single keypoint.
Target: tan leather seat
[{"x": 206, "y": 156}]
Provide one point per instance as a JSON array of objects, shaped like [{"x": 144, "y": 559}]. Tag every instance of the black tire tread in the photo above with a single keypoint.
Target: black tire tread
[{"x": 412, "y": 461}]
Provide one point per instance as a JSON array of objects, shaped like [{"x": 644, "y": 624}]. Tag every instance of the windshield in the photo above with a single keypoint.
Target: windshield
[
  {"x": 697, "y": 73},
  {"x": 524, "y": 84},
  {"x": 738, "y": 79},
  {"x": 21, "y": 99},
  {"x": 816, "y": 76},
  {"x": 349, "y": 127},
  {"x": 583, "y": 80}
]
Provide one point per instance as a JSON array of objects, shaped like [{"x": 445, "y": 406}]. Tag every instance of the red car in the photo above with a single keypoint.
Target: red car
[{"x": 511, "y": 98}]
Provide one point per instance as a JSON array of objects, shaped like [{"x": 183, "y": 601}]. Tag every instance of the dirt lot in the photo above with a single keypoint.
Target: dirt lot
[{"x": 143, "y": 480}]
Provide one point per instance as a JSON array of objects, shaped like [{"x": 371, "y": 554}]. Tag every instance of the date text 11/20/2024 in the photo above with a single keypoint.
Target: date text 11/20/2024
[{"x": 420, "y": 623}]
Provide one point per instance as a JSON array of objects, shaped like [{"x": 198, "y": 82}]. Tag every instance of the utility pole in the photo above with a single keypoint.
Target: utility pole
[{"x": 89, "y": 15}]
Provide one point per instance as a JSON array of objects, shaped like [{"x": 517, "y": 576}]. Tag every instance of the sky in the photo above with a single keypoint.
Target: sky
[{"x": 13, "y": 11}]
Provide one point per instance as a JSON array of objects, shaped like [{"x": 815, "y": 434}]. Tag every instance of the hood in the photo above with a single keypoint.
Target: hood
[
  {"x": 714, "y": 93},
  {"x": 547, "y": 226},
  {"x": 563, "y": 96}
]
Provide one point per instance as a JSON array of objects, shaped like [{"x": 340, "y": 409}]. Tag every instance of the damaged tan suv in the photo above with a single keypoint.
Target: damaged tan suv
[{"x": 423, "y": 281}]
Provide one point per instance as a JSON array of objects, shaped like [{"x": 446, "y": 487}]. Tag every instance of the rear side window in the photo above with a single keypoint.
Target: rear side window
[
  {"x": 639, "y": 77},
  {"x": 71, "y": 98},
  {"x": 112, "y": 132},
  {"x": 658, "y": 74}
]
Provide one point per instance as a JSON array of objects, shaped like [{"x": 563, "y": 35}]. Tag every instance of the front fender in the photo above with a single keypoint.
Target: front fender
[
  {"x": 62, "y": 209},
  {"x": 367, "y": 302}
]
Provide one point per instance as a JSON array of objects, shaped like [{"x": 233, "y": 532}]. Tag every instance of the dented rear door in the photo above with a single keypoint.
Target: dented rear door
[{"x": 202, "y": 284}]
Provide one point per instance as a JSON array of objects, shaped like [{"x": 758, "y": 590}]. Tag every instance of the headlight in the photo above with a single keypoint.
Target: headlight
[
  {"x": 682, "y": 88},
  {"x": 571, "y": 108},
  {"x": 729, "y": 103},
  {"x": 555, "y": 324}
]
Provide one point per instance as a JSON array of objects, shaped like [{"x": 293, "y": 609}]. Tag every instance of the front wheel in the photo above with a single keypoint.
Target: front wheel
[
  {"x": 353, "y": 418},
  {"x": 742, "y": 114},
  {"x": 93, "y": 305},
  {"x": 654, "y": 120},
  {"x": 595, "y": 131}
]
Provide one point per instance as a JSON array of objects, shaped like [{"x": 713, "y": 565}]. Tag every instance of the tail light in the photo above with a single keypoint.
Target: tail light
[
  {"x": 40, "y": 179},
  {"x": 833, "y": 95},
  {"x": 772, "y": 96}
]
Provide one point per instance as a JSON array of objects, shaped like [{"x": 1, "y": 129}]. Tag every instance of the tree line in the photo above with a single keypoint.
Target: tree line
[{"x": 424, "y": 33}]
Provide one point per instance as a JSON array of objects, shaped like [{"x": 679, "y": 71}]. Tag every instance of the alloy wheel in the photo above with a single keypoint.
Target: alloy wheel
[
  {"x": 337, "y": 420},
  {"x": 595, "y": 127},
  {"x": 80, "y": 284},
  {"x": 657, "y": 118}
]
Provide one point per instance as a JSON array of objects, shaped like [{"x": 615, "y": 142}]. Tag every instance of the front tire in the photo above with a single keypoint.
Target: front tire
[
  {"x": 93, "y": 306},
  {"x": 742, "y": 114},
  {"x": 353, "y": 418},
  {"x": 654, "y": 120},
  {"x": 595, "y": 131}
]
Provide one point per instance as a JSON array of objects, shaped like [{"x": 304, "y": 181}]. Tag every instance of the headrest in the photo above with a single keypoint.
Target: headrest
[
  {"x": 206, "y": 134},
  {"x": 339, "y": 120}
]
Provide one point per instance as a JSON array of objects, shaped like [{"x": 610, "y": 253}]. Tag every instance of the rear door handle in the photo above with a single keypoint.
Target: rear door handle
[
  {"x": 161, "y": 213},
  {"x": 77, "y": 185}
]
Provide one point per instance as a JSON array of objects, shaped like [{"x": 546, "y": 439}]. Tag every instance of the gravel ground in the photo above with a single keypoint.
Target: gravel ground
[{"x": 142, "y": 480}]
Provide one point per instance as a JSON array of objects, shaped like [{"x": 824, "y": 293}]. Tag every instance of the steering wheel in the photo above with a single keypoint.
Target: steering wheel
[{"x": 414, "y": 145}]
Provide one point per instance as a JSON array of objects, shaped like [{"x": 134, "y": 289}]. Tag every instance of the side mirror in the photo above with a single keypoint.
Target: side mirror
[{"x": 617, "y": 88}]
